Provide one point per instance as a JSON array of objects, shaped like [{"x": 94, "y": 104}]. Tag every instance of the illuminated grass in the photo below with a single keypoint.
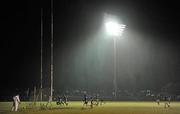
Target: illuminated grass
[{"x": 107, "y": 108}]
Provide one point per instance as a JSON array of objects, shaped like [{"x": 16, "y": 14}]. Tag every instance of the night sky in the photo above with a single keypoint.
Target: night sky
[{"x": 148, "y": 56}]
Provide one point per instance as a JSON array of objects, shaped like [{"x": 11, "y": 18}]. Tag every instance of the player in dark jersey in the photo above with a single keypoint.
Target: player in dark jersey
[
  {"x": 92, "y": 100},
  {"x": 65, "y": 100},
  {"x": 85, "y": 100}
]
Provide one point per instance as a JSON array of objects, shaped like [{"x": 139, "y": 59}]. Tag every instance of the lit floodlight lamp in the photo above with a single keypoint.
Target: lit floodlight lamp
[{"x": 114, "y": 29}]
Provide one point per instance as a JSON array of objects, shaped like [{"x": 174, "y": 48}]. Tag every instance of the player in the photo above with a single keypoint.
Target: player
[
  {"x": 169, "y": 99},
  {"x": 85, "y": 100},
  {"x": 91, "y": 99},
  {"x": 97, "y": 100},
  {"x": 65, "y": 100},
  {"x": 49, "y": 101},
  {"x": 166, "y": 103},
  {"x": 158, "y": 100},
  {"x": 59, "y": 100},
  {"x": 16, "y": 102}
]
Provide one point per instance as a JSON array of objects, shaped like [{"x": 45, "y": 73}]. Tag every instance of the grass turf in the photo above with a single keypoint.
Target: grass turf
[{"x": 107, "y": 108}]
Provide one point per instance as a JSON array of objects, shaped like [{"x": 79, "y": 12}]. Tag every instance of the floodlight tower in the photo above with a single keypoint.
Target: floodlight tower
[
  {"x": 52, "y": 61},
  {"x": 41, "y": 54},
  {"x": 115, "y": 30}
]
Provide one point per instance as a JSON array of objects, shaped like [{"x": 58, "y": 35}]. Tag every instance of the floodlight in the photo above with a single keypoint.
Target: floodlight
[{"x": 114, "y": 29}]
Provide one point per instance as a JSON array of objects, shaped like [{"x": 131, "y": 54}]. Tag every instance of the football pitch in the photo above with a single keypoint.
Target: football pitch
[{"x": 107, "y": 108}]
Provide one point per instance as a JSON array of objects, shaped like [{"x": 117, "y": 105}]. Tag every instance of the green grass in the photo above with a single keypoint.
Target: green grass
[{"x": 107, "y": 108}]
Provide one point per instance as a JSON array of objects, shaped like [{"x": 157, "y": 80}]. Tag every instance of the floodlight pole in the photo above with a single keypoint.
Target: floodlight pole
[
  {"x": 115, "y": 70},
  {"x": 51, "y": 94},
  {"x": 41, "y": 53},
  {"x": 115, "y": 30}
]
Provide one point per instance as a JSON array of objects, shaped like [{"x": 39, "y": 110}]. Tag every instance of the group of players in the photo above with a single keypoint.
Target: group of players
[
  {"x": 87, "y": 100},
  {"x": 93, "y": 101},
  {"x": 62, "y": 100},
  {"x": 166, "y": 99}
]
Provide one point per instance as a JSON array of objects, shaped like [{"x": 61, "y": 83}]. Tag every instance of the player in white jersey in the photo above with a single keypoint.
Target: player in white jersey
[{"x": 16, "y": 102}]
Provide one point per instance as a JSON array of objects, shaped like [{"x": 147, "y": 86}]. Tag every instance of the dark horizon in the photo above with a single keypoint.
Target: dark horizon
[{"x": 147, "y": 56}]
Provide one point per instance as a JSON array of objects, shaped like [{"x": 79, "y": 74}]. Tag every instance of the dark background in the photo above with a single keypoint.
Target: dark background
[{"x": 147, "y": 56}]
